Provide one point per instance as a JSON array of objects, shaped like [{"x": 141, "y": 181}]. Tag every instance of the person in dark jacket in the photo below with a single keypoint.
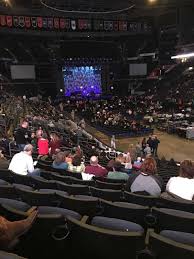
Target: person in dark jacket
[
  {"x": 150, "y": 142},
  {"x": 21, "y": 135},
  {"x": 155, "y": 143}
]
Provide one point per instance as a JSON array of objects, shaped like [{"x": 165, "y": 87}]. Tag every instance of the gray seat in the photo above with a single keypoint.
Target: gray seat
[
  {"x": 53, "y": 191},
  {"x": 86, "y": 197},
  {"x": 53, "y": 210},
  {"x": 14, "y": 204},
  {"x": 5, "y": 255},
  {"x": 2, "y": 182},
  {"x": 22, "y": 186},
  {"x": 116, "y": 224},
  {"x": 181, "y": 237}
]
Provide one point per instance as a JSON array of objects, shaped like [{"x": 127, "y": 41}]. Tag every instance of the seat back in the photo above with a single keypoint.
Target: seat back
[
  {"x": 84, "y": 206},
  {"x": 176, "y": 204},
  {"x": 102, "y": 242},
  {"x": 107, "y": 194},
  {"x": 140, "y": 199},
  {"x": 127, "y": 211},
  {"x": 173, "y": 220},
  {"x": 165, "y": 248},
  {"x": 113, "y": 186}
]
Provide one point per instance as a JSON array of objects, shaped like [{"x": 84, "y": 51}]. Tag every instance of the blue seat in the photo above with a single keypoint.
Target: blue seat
[
  {"x": 14, "y": 204},
  {"x": 116, "y": 224},
  {"x": 181, "y": 237},
  {"x": 42, "y": 210}
]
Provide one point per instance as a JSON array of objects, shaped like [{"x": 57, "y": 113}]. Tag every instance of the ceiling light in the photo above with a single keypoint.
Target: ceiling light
[{"x": 188, "y": 55}]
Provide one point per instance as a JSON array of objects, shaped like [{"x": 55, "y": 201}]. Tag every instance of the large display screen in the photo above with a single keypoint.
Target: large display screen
[
  {"x": 22, "y": 72},
  {"x": 137, "y": 69},
  {"x": 82, "y": 80}
]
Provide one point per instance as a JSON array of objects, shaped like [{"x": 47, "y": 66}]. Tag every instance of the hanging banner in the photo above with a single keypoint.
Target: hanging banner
[
  {"x": 44, "y": 23},
  {"x": 34, "y": 22},
  {"x": 21, "y": 21},
  {"x": 39, "y": 22},
  {"x": 116, "y": 25},
  {"x": 73, "y": 25},
  {"x": 9, "y": 20},
  {"x": 27, "y": 22},
  {"x": 62, "y": 23},
  {"x": 2, "y": 20},
  {"x": 16, "y": 21},
  {"x": 50, "y": 23},
  {"x": 56, "y": 23}
]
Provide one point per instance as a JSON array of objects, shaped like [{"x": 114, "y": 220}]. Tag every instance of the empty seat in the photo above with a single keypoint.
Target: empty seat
[
  {"x": 73, "y": 188},
  {"x": 5, "y": 255},
  {"x": 181, "y": 237},
  {"x": 177, "y": 204},
  {"x": 113, "y": 186},
  {"x": 107, "y": 194},
  {"x": 13, "y": 209},
  {"x": 140, "y": 199},
  {"x": 85, "y": 205},
  {"x": 127, "y": 211},
  {"x": 41, "y": 183},
  {"x": 46, "y": 210},
  {"x": 166, "y": 248},
  {"x": 103, "y": 243},
  {"x": 116, "y": 224},
  {"x": 36, "y": 198},
  {"x": 8, "y": 191},
  {"x": 173, "y": 220}
]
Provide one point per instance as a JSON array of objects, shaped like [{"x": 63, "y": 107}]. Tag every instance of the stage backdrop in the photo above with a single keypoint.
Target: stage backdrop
[{"x": 82, "y": 80}]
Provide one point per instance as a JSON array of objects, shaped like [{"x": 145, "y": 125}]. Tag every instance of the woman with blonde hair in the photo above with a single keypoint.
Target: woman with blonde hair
[{"x": 146, "y": 181}]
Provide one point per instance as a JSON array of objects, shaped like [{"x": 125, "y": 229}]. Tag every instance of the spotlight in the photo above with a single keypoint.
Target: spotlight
[
  {"x": 152, "y": 1},
  {"x": 61, "y": 90},
  {"x": 190, "y": 68}
]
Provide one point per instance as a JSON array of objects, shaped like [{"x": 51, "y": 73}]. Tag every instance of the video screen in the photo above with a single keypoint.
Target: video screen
[{"x": 82, "y": 80}]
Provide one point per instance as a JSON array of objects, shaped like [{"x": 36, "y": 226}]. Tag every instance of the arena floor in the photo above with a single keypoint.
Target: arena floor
[{"x": 171, "y": 146}]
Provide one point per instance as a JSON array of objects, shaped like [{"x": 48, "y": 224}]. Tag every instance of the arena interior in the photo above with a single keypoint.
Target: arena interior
[{"x": 96, "y": 129}]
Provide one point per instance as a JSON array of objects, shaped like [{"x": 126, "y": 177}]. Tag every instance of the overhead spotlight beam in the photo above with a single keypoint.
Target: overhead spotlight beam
[{"x": 186, "y": 55}]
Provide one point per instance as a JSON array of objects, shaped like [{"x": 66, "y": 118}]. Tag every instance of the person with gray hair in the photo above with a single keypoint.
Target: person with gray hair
[
  {"x": 22, "y": 163},
  {"x": 95, "y": 169}
]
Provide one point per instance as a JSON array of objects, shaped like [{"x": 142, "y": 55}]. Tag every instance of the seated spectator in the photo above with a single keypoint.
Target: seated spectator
[
  {"x": 77, "y": 166},
  {"x": 138, "y": 163},
  {"x": 183, "y": 185},
  {"x": 43, "y": 145},
  {"x": 22, "y": 163},
  {"x": 59, "y": 162},
  {"x": 95, "y": 169},
  {"x": 147, "y": 151},
  {"x": 117, "y": 173},
  {"x": 146, "y": 182},
  {"x": 55, "y": 143},
  {"x": 34, "y": 141},
  {"x": 69, "y": 157}
]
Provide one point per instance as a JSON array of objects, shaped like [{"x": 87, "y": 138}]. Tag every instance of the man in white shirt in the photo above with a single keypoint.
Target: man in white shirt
[{"x": 22, "y": 163}]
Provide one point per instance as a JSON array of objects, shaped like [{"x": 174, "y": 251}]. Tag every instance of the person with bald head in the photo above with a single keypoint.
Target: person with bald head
[
  {"x": 95, "y": 169},
  {"x": 22, "y": 163}
]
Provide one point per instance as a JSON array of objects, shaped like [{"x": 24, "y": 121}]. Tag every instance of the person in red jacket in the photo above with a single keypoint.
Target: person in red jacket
[
  {"x": 95, "y": 169},
  {"x": 43, "y": 145}
]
